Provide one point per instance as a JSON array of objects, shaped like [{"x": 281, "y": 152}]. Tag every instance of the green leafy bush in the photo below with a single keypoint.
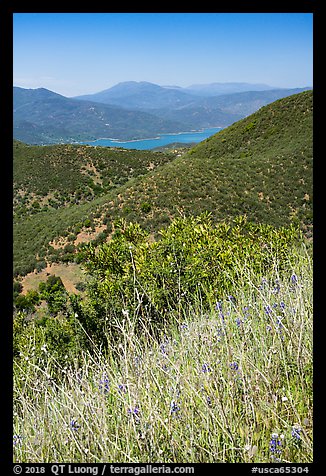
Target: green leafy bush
[
  {"x": 17, "y": 288},
  {"x": 193, "y": 260},
  {"x": 40, "y": 265},
  {"x": 145, "y": 207},
  {"x": 87, "y": 223},
  {"x": 54, "y": 293}
]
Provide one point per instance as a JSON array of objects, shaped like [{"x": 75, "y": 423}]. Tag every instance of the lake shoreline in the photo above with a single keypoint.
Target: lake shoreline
[{"x": 153, "y": 142}]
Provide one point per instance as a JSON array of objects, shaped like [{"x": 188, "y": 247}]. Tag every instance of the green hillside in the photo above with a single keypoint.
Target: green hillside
[
  {"x": 260, "y": 166},
  {"x": 59, "y": 175},
  {"x": 44, "y": 117}
]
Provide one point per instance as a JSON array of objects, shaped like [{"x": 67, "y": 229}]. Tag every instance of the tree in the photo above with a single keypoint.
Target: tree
[
  {"x": 17, "y": 288},
  {"x": 54, "y": 293},
  {"x": 27, "y": 302}
]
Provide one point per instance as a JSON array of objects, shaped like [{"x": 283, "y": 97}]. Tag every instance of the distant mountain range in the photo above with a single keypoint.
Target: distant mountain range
[
  {"x": 151, "y": 96},
  {"x": 216, "y": 89},
  {"x": 44, "y": 117},
  {"x": 135, "y": 110},
  {"x": 147, "y": 96},
  {"x": 140, "y": 95}
]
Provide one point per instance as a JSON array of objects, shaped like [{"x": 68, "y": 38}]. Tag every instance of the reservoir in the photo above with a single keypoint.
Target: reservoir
[{"x": 160, "y": 140}]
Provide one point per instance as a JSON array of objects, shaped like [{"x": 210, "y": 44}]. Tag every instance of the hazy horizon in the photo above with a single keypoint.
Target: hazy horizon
[
  {"x": 82, "y": 53},
  {"x": 163, "y": 86}
]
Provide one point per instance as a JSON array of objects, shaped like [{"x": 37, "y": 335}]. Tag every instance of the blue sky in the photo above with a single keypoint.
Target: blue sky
[{"x": 80, "y": 53}]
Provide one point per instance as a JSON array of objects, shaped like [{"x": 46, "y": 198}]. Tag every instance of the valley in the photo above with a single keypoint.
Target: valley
[
  {"x": 133, "y": 111},
  {"x": 260, "y": 167}
]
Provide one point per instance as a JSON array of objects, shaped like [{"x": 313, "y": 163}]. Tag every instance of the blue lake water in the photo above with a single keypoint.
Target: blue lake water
[{"x": 160, "y": 140}]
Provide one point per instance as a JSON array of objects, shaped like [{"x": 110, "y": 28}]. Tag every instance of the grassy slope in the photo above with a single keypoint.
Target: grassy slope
[
  {"x": 260, "y": 166},
  {"x": 210, "y": 390}
]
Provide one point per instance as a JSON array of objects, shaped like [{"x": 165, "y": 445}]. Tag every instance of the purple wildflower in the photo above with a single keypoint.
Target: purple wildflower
[
  {"x": 275, "y": 446},
  {"x": 74, "y": 425},
  {"x": 134, "y": 412},
  {"x": 296, "y": 433},
  {"x": 246, "y": 311},
  {"x": 218, "y": 306},
  {"x": 104, "y": 385},
  {"x": 263, "y": 283},
  {"x": 267, "y": 310},
  {"x": 220, "y": 332},
  {"x": 294, "y": 279},
  {"x": 232, "y": 299},
  {"x": 208, "y": 398},
  {"x": 277, "y": 287},
  {"x": 122, "y": 388},
  {"x": 174, "y": 408},
  {"x": 205, "y": 368},
  {"x": 280, "y": 326},
  {"x": 234, "y": 366},
  {"x": 279, "y": 322},
  {"x": 163, "y": 348},
  {"x": 17, "y": 439}
]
